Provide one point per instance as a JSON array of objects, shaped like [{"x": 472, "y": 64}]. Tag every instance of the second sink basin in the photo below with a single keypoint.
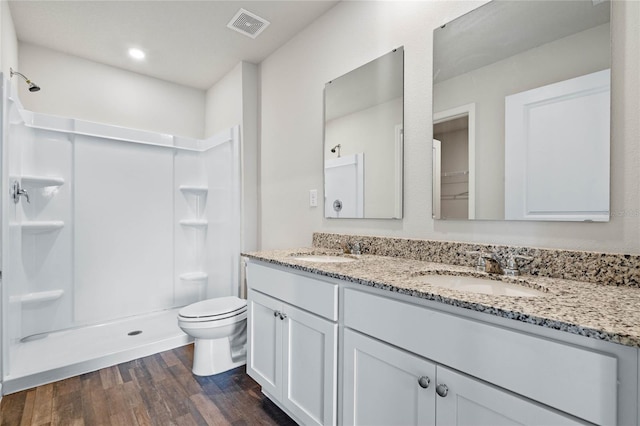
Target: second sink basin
[
  {"x": 323, "y": 258},
  {"x": 480, "y": 285}
]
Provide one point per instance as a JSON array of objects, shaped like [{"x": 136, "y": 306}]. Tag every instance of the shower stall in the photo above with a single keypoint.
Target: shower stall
[{"x": 106, "y": 232}]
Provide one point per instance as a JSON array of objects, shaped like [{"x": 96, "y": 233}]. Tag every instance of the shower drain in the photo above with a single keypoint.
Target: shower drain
[{"x": 134, "y": 333}]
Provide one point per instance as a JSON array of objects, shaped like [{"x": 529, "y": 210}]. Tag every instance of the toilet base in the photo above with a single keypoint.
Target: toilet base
[{"x": 214, "y": 356}]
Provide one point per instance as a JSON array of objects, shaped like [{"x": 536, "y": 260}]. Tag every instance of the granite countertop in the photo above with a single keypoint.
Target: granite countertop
[{"x": 597, "y": 311}]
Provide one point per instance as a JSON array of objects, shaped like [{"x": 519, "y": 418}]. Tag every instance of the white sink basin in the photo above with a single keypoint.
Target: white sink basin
[
  {"x": 480, "y": 285},
  {"x": 322, "y": 258}
]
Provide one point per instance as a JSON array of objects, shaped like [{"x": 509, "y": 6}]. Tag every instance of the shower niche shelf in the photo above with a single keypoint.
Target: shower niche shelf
[
  {"x": 194, "y": 189},
  {"x": 194, "y": 276},
  {"x": 40, "y": 296},
  {"x": 41, "y": 181},
  {"x": 194, "y": 223},
  {"x": 41, "y": 227}
]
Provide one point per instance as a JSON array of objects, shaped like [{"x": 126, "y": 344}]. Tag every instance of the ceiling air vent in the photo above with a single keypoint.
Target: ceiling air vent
[{"x": 248, "y": 23}]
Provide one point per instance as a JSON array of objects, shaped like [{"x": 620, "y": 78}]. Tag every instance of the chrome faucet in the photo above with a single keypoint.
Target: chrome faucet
[
  {"x": 487, "y": 262},
  {"x": 17, "y": 192},
  {"x": 353, "y": 248},
  {"x": 490, "y": 263},
  {"x": 512, "y": 269}
]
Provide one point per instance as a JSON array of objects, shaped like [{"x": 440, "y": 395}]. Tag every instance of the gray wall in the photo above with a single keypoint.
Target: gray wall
[
  {"x": 79, "y": 88},
  {"x": 353, "y": 33}
]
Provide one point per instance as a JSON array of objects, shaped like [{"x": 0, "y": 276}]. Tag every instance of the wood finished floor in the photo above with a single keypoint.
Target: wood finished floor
[{"x": 156, "y": 390}]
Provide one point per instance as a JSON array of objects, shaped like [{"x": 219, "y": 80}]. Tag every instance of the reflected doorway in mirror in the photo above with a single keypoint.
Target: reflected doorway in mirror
[{"x": 453, "y": 171}]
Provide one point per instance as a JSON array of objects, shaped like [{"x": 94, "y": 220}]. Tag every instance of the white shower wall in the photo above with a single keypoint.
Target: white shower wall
[
  {"x": 120, "y": 223},
  {"x": 189, "y": 252},
  {"x": 223, "y": 215},
  {"x": 123, "y": 219},
  {"x": 45, "y": 256}
]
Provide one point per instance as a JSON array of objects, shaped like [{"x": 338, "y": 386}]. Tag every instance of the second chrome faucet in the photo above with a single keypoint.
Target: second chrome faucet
[
  {"x": 490, "y": 263},
  {"x": 352, "y": 248}
]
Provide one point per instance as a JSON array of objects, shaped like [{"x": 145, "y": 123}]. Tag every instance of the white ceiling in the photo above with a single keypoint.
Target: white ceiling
[
  {"x": 500, "y": 29},
  {"x": 378, "y": 81},
  {"x": 186, "y": 42}
]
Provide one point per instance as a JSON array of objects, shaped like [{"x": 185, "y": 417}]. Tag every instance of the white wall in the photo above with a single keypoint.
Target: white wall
[
  {"x": 87, "y": 90},
  {"x": 9, "y": 42},
  {"x": 223, "y": 102},
  {"x": 234, "y": 101},
  {"x": 353, "y": 33}
]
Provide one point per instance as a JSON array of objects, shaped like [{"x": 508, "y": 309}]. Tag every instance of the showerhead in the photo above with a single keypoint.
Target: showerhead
[
  {"x": 335, "y": 147},
  {"x": 32, "y": 86}
]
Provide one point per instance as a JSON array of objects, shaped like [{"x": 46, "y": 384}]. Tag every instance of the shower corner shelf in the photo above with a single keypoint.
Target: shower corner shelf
[
  {"x": 194, "y": 276},
  {"x": 38, "y": 227},
  {"x": 194, "y": 189},
  {"x": 40, "y": 296},
  {"x": 41, "y": 181},
  {"x": 194, "y": 223}
]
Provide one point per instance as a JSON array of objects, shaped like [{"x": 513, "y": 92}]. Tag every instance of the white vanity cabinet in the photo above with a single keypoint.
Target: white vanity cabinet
[
  {"x": 409, "y": 361},
  {"x": 478, "y": 373},
  {"x": 385, "y": 385},
  {"x": 292, "y": 342}
]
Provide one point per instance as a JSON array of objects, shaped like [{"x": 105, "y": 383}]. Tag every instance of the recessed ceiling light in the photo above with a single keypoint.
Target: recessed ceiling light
[{"x": 136, "y": 53}]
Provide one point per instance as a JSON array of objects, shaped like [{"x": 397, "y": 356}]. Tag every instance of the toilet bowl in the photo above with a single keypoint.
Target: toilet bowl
[{"x": 219, "y": 327}]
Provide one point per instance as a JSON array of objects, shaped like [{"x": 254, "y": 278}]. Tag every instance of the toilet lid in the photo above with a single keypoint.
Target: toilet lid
[{"x": 214, "y": 307}]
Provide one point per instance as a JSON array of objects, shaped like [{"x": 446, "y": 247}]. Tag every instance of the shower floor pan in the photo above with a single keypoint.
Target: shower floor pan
[{"x": 68, "y": 353}]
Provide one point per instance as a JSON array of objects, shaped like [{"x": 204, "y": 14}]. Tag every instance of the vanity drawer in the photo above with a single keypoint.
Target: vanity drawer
[
  {"x": 313, "y": 295},
  {"x": 575, "y": 380}
]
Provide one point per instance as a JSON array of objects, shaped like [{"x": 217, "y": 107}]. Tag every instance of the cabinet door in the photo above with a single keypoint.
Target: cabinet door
[
  {"x": 310, "y": 352},
  {"x": 264, "y": 338},
  {"x": 381, "y": 384},
  {"x": 468, "y": 401}
]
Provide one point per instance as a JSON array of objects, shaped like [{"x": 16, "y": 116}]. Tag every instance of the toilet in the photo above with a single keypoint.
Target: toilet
[{"x": 219, "y": 327}]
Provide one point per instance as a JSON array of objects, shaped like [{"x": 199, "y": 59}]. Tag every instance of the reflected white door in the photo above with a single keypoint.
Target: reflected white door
[
  {"x": 557, "y": 151},
  {"x": 344, "y": 186}
]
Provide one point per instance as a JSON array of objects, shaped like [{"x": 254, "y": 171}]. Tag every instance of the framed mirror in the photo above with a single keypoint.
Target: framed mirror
[
  {"x": 363, "y": 140},
  {"x": 521, "y": 112}
]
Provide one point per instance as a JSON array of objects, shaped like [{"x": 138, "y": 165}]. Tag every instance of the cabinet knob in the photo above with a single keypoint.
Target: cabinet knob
[
  {"x": 282, "y": 315},
  {"x": 424, "y": 382},
  {"x": 276, "y": 313},
  {"x": 442, "y": 390}
]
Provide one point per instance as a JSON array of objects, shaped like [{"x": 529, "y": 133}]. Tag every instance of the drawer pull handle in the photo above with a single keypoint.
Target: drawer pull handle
[
  {"x": 442, "y": 390},
  {"x": 424, "y": 382},
  {"x": 282, "y": 315}
]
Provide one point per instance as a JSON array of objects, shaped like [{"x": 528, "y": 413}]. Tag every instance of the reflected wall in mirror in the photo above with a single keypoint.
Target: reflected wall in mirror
[
  {"x": 521, "y": 112},
  {"x": 363, "y": 140}
]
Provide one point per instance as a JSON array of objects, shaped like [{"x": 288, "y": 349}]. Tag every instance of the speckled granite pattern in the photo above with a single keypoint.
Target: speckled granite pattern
[
  {"x": 600, "y": 268},
  {"x": 610, "y": 313}
]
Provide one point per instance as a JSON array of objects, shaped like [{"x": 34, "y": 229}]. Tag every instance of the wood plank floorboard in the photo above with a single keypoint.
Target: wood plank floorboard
[{"x": 156, "y": 390}]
